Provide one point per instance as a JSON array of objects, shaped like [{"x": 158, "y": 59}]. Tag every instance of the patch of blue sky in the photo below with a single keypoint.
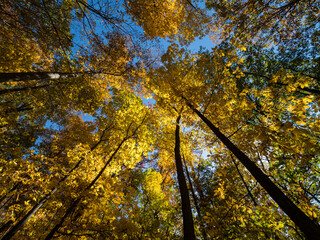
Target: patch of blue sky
[
  {"x": 147, "y": 101},
  {"x": 204, "y": 43},
  {"x": 85, "y": 117},
  {"x": 52, "y": 125}
]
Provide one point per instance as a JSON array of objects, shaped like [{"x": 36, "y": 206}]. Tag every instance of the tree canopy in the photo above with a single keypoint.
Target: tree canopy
[{"x": 113, "y": 127}]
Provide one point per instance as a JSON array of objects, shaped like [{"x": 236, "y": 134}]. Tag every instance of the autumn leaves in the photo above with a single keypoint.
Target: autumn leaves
[{"x": 132, "y": 171}]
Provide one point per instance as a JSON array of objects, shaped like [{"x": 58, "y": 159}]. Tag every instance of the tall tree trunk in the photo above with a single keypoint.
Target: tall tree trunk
[
  {"x": 28, "y": 76},
  {"x": 195, "y": 200},
  {"x": 306, "y": 225},
  {"x": 188, "y": 228}
]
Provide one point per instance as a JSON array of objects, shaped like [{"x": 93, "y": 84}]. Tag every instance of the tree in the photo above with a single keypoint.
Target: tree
[
  {"x": 188, "y": 229},
  {"x": 310, "y": 229},
  {"x": 180, "y": 84},
  {"x": 279, "y": 21},
  {"x": 84, "y": 156},
  {"x": 168, "y": 18}
]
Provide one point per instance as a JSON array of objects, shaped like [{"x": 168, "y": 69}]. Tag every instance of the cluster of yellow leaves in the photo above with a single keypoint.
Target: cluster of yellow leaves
[
  {"x": 167, "y": 18},
  {"x": 158, "y": 18},
  {"x": 21, "y": 54}
]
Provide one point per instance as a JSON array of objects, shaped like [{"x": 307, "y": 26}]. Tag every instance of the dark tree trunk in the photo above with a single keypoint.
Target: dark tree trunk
[
  {"x": 65, "y": 216},
  {"x": 306, "y": 225},
  {"x": 195, "y": 200},
  {"x": 188, "y": 228}
]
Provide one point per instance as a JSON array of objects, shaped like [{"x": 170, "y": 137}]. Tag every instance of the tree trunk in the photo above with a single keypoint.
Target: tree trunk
[
  {"x": 195, "y": 200},
  {"x": 306, "y": 225},
  {"x": 29, "y": 76},
  {"x": 188, "y": 228}
]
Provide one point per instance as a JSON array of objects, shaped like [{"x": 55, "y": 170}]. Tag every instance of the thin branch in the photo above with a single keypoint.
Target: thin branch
[{"x": 243, "y": 181}]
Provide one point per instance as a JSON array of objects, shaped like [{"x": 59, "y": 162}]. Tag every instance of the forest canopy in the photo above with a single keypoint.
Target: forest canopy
[{"x": 114, "y": 125}]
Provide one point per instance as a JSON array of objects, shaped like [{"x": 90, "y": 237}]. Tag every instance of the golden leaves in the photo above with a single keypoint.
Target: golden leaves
[
  {"x": 220, "y": 191},
  {"x": 167, "y": 18},
  {"x": 266, "y": 112},
  {"x": 152, "y": 183},
  {"x": 158, "y": 18}
]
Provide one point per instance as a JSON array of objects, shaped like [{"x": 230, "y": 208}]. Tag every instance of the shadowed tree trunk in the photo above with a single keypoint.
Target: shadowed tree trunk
[
  {"x": 195, "y": 200},
  {"x": 306, "y": 225},
  {"x": 188, "y": 228}
]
